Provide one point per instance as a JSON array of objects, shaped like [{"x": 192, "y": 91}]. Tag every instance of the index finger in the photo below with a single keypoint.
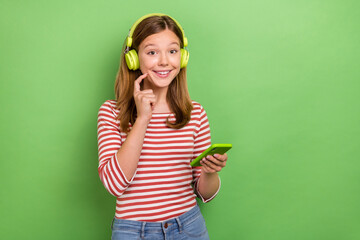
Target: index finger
[
  {"x": 138, "y": 81},
  {"x": 221, "y": 157}
]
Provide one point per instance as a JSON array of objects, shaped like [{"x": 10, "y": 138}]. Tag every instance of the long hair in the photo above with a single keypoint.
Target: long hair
[{"x": 177, "y": 96}]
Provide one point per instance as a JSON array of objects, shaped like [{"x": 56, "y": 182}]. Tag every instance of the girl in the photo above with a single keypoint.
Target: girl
[{"x": 148, "y": 136}]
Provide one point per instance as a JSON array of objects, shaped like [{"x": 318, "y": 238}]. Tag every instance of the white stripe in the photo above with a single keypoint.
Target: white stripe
[
  {"x": 188, "y": 130},
  {"x": 109, "y": 183},
  {"x": 108, "y": 134},
  {"x": 159, "y": 140},
  {"x": 104, "y": 153},
  {"x": 169, "y": 134},
  {"x": 161, "y": 122},
  {"x": 167, "y": 173},
  {"x": 186, "y": 144},
  {"x": 166, "y": 168},
  {"x": 123, "y": 200},
  {"x": 202, "y": 148},
  {"x": 105, "y": 118},
  {"x": 183, "y": 179},
  {"x": 157, "y": 218},
  {"x": 113, "y": 161},
  {"x": 114, "y": 143},
  {"x": 203, "y": 138},
  {"x": 157, "y": 210},
  {"x": 167, "y": 156},
  {"x": 172, "y": 162},
  {"x": 159, "y": 204},
  {"x": 166, "y": 151},
  {"x": 156, "y": 186},
  {"x": 168, "y": 191}
]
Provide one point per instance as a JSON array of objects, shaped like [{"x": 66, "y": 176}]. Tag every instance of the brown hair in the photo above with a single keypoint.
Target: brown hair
[{"x": 177, "y": 96}]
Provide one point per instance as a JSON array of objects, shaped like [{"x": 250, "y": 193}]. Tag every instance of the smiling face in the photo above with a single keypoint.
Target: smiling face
[{"x": 159, "y": 56}]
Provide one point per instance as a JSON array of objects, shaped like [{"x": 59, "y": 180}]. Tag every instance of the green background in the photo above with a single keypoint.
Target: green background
[{"x": 278, "y": 79}]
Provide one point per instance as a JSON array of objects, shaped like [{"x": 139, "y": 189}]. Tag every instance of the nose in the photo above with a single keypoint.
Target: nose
[{"x": 163, "y": 61}]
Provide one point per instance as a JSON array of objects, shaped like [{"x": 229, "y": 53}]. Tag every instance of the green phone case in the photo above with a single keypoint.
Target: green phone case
[{"x": 220, "y": 148}]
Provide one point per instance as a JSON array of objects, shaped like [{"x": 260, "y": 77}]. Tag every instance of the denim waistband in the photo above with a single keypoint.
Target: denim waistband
[{"x": 179, "y": 221}]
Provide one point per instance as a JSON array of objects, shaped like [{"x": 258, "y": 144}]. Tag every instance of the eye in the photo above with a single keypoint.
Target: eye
[
  {"x": 151, "y": 53},
  {"x": 173, "y": 51}
]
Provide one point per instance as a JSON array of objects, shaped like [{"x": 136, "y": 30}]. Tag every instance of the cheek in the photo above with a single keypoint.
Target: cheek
[
  {"x": 146, "y": 62},
  {"x": 176, "y": 60}
]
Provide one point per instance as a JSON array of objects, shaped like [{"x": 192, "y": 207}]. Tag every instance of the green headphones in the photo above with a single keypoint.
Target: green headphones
[{"x": 131, "y": 56}]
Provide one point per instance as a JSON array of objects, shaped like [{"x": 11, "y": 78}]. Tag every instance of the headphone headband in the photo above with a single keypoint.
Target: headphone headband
[{"x": 132, "y": 29}]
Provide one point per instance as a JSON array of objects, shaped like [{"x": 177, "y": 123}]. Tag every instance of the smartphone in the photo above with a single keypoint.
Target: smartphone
[{"x": 219, "y": 148}]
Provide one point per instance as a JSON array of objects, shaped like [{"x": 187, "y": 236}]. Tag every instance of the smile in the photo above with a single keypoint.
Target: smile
[{"x": 162, "y": 74}]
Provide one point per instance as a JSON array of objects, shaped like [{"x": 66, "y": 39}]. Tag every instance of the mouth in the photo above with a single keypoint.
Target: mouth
[{"x": 162, "y": 74}]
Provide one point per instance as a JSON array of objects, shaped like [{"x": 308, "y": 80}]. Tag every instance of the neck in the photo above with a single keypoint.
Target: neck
[{"x": 161, "y": 105}]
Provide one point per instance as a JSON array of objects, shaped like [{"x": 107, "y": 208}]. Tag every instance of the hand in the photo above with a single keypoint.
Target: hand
[
  {"x": 212, "y": 164},
  {"x": 144, "y": 100}
]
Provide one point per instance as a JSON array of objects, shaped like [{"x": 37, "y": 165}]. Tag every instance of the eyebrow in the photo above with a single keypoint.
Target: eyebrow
[{"x": 150, "y": 44}]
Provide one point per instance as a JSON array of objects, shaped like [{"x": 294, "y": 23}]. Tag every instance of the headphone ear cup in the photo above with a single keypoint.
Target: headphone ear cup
[
  {"x": 132, "y": 60},
  {"x": 184, "y": 58}
]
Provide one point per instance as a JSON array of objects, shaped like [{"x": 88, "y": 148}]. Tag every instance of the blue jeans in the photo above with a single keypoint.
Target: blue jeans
[{"x": 188, "y": 226}]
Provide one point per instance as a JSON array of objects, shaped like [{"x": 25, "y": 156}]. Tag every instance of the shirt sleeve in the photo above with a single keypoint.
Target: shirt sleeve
[
  {"x": 109, "y": 142},
  {"x": 202, "y": 141}
]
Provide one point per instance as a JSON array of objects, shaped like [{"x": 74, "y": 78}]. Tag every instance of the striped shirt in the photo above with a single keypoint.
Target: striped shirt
[{"x": 164, "y": 185}]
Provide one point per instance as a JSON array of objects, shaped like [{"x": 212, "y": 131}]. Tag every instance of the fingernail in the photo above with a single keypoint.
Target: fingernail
[{"x": 216, "y": 155}]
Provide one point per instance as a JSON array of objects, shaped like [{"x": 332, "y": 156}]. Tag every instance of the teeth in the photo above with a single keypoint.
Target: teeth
[{"x": 163, "y": 73}]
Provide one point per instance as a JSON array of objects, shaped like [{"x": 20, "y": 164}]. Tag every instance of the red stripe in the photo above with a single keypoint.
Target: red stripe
[
  {"x": 161, "y": 126},
  {"x": 155, "y": 195},
  {"x": 203, "y": 134},
  {"x": 110, "y": 178},
  {"x": 112, "y": 163},
  {"x": 162, "y": 159},
  {"x": 148, "y": 202},
  {"x": 144, "y": 171},
  {"x": 169, "y": 142},
  {"x": 117, "y": 145},
  {"x": 144, "y": 166},
  {"x": 110, "y": 150},
  {"x": 167, "y": 136},
  {"x": 165, "y": 153},
  {"x": 161, "y": 177},
  {"x": 159, "y": 213},
  {"x": 101, "y": 141},
  {"x": 106, "y": 179},
  {"x": 153, "y": 208},
  {"x": 160, "y": 188},
  {"x": 143, "y": 186},
  {"x": 167, "y": 148}
]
